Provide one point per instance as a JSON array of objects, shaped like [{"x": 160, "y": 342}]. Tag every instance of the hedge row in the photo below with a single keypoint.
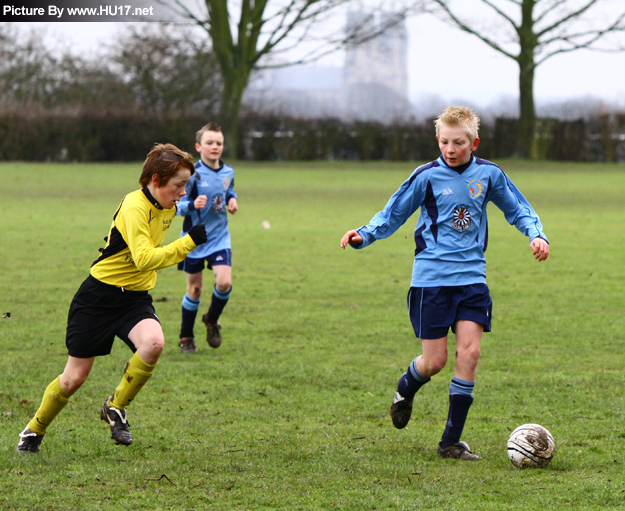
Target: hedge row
[
  {"x": 599, "y": 140},
  {"x": 90, "y": 137},
  {"x": 125, "y": 137}
]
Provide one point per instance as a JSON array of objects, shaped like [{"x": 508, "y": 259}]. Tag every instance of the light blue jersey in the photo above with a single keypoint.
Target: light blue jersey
[
  {"x": 452, "y": 232},
  {"x": 218, "y": 186}
]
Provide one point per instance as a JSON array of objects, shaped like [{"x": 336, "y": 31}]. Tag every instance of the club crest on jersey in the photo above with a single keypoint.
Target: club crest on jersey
[
  {"x": 218, "y": 203},
  {"x": 462, "y": 218},
  {"x": 476, "y": 187},
  {"x": 226, "y": 182}
]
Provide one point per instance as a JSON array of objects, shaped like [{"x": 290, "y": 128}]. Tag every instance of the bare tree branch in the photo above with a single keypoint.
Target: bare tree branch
[
  {"x": 312, "y": 56},
  {"x": 285, "y": 28},
  {"x": 594, "y": 35},
  {"x": 588, "y": 44},
  {"x": 571, "y": 16},
  {"x": 466, "y": 28},
  {"x": 549, "y": 10},
  {"x": 500, "y": 12},
  {"x": 180, "y": 9}
]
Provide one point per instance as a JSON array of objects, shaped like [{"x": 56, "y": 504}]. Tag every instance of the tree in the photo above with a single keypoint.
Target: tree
[
  {"x": 264, "y": 28},
  {"x": 148, "y": 69},
  {"x": 532, "y": 31},
  {"x": 34, "y": 77},
  {"x": 166, "y": 69},
  {"x": 26, "y": 68}
]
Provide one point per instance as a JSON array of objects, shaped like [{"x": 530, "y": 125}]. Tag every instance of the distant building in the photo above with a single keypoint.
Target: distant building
[
  {"x": 375, "y": 75},
  {"x": 371, "y": 85}
]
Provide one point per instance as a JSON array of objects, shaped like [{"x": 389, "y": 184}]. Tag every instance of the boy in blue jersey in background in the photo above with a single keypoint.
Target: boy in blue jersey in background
[
  {"x": 210, "y": 196},
  {"x": 448, "y": 287}
]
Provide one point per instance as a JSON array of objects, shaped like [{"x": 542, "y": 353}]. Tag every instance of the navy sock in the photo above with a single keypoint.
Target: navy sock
[
  {"x": 218, "y": 303},
  {"x": 189, "y": 313},
  {"x": 460, "y": 400},
  {"x": 410, "y": 383}
]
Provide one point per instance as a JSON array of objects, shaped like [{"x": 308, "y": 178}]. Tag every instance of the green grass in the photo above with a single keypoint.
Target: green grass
[{"x": 292, "y": 411}]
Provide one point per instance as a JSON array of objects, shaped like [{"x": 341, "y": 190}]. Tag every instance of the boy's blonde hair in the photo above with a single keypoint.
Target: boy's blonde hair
[
  {"x": 459, "y": 116},
  {"x": 211, "y": 126}
]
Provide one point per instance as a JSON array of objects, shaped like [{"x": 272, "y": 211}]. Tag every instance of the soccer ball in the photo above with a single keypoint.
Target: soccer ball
[{"x": 531, "y": 445}]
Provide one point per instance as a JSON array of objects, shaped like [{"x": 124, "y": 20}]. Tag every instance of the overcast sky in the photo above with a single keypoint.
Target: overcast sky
[
  {"x": 446, "y": 62},
  {"x": 458, "y": 64}
]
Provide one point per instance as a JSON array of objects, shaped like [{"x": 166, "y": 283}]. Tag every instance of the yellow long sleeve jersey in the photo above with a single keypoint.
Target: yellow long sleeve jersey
[{"x": 133, "y": 251}]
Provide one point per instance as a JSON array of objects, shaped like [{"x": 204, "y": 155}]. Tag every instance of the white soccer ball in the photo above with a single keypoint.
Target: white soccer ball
[{"x": 531, "y": 445}]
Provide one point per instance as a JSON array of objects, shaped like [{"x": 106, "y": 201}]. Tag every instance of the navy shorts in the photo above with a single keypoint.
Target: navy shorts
[
  {"x": 434, "y": 309},
  {"x": 99, "y": 312},
  {"x": 220, "y": 258}
]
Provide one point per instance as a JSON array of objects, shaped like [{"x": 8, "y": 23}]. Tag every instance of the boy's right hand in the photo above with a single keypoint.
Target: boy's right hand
[
  {"x": 540, "y": 248},
  {"x": 200, "y": 202},
  {"x": 351, "y": 237},
  {"x": 198, "y": 234}
]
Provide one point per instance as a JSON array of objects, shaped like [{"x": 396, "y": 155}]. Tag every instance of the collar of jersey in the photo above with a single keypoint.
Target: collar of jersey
[
  {"x": 460, "y": 168},
  {"x": 151, "y": 198},
  {"x": 221, "y": 165}
]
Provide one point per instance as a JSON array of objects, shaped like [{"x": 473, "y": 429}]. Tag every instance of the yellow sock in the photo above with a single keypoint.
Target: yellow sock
[
  {"x": 54, "y": 400},
  {"x": 137, "y": 373}
]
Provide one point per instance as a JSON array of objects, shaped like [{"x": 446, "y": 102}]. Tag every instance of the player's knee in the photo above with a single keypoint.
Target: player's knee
[
  {"x": 470, "y": 356},
  {"x": 224, "y": 285},
  {"x": 153, "y": 346},
  {"x": 72, "y": 381},
  {"x": 435, "y": 365},
  {"x": 156, "y": 347},
  {"x": 438, "y": 365},
  {"x": 196, "y": 292}
]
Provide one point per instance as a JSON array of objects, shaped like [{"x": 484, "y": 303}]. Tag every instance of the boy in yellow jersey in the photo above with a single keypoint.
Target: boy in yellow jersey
[{"x": 114, "y": 299}]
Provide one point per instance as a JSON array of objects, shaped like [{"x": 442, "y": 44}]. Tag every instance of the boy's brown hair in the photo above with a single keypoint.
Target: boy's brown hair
[
  {"x": 459, "y": 116},
  {"x": 211, "y": 126},
  {"x": 164, "y": 161}
]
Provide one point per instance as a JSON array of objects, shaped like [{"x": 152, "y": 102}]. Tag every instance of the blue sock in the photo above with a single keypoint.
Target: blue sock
[
  {"x": 460, "y": 400},
  {"x": 189, "y": 312},
  {"x": 218, "y": 302},
  {"x": 412, "y": 381}
]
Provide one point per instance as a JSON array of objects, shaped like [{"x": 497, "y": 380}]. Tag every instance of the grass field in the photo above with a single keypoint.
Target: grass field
[{"x": 291, "y": 413}]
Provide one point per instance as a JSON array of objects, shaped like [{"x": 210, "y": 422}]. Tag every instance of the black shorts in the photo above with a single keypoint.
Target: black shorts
[
  {"x": 219, "y": 258},
  {"x": 99, "y": 312},
  {"x": 434, "y": 309}
]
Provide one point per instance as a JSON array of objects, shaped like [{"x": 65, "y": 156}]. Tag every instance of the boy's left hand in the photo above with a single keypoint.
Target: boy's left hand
[
  {"x": 233, "y": 206},
  {"x": 540, "y": 248}
]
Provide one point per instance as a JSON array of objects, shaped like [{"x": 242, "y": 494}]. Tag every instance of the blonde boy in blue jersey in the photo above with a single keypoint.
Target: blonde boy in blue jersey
[
  {"x": 114, "y": 299},
  {"x": 448, "y": 287},
  {"x": 210, "y": 197}
]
